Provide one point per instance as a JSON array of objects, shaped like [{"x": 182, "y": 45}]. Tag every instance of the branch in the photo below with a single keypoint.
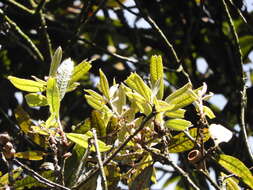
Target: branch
[
  {"x": 22, "y": 34},
  {"x": 100, "y": 163},
  {"x": 120, "y": 147},
  {"x": 242, "y": 85},
  {"x": 210, "y": 180},
  {"x": 20, "y": 6},
  {"x": 167, "y": 42},
  {"x": 165, "y": 159},
  {"x": 40, "y": 178}
]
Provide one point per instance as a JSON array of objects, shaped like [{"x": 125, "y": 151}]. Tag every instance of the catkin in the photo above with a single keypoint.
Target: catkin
[{"x": 63, "y": 76}]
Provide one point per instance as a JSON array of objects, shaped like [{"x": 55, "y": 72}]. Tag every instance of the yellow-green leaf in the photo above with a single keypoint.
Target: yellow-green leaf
[
  {"x": 208, "y": 112},
  {"x": 156, "y": 74},
  {"x": 175, "y": 114},
  {"x": 34, "y": 100},
  {"x": 104, "y": 85},
  {"x": 135, "y": 82},
  {"x": 23, "y": 119},
  {"x": 229, "y": 182},
  {"x": 53, "y": 96},
  {"x": 97, "y": 104},
  {"x": 181, "y": 143},
  {"x": 56, "y": 60},
  {"x": 236, "y": 167},
  {"x": 178, "y": 124},
  {"x": 182, "y": 97},
  {"x": 98, "y": 123},
  {"x": 80, "y": 70},
  {"x": 82, "y": 140},
  {"x": 26, "y": 85},
  {"x": 162, "y": 106},
  {"x": 30, "y": 155},
  {"x": 4, "y": 180}
]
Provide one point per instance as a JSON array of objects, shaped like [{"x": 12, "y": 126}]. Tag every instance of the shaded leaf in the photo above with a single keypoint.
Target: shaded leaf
[
  {"x": 34, "y": 100},
  {"x": 30, "y": 155},
  {"x": 4, "y": 179},
  {"x": 178, "y": 124},
  {"x": 23, "y": 119},
  {"x": 98, "y": 123},
  {"x": 142, "y": 181},
  {"x": 27, "y": 85},
  {"x": 30, "y": 182},
  {"x": 236, "y": 167}
]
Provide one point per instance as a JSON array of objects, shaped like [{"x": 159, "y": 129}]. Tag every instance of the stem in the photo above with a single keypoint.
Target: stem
[
  {"x": 100, "y": 163},
  {"x": 210, "y": 180},
  {"x": 166, "y": 160},
  {"x": 20, "y": 6},
  {"x": 242, "y": 85},
  {"x": 40, "y": 178},
  {"x": 154, "y": 25}
]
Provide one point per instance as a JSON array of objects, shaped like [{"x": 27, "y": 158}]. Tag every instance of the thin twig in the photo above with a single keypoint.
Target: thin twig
[
  {"x": 22, "y": 34},
  {"x": 100, "y": 163},
  {"x": 207, "y": 176},
  {"x": 121, "y": 57},
  {"x": 166, "y": 160},
  {"x": 38, "y": 177},
  {"x": 120, "y": 147},
  {"x": 238, "y": 11},
  {"x": 243, "y": 94},
  {"x": 20, "y": 6},
  {"x": 167, "y": 42},
  {"x": 46, "y": 36}
]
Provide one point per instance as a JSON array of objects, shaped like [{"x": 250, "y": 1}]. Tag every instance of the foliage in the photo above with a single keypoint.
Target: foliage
[{"x": 151, "y": 101}]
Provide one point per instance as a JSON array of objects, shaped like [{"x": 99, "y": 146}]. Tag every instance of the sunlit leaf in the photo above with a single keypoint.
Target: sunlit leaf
[
  {"x": 93, "y": 102},
  {"x": 156, "y": 74},
  {"x": 104, "y": 85},
  {"x": 34, "y": 100},
  {"x": 56, "y": 60},
  {"x": 53, "y": 96},
  {"x": 82, "y": 140},
  {"x": 26, "y": 85},
  {"x": 162, "y": 106},
  {"x": 135, "y": 82},
  {"x": 178, "y": 124},
  {"x": 181, "y": 143},
  {"x": 229, "y": 182},
  {"x": 208, "y": 112},
  {"x": 80, "y": 70},
  {"x": 182, "y": 97},
  {"x": 236, "y": 167},
  {"x": 119, "y": 100},
  {"x": 30, "y": 155},
  {"x": 175, "y": 114}
]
